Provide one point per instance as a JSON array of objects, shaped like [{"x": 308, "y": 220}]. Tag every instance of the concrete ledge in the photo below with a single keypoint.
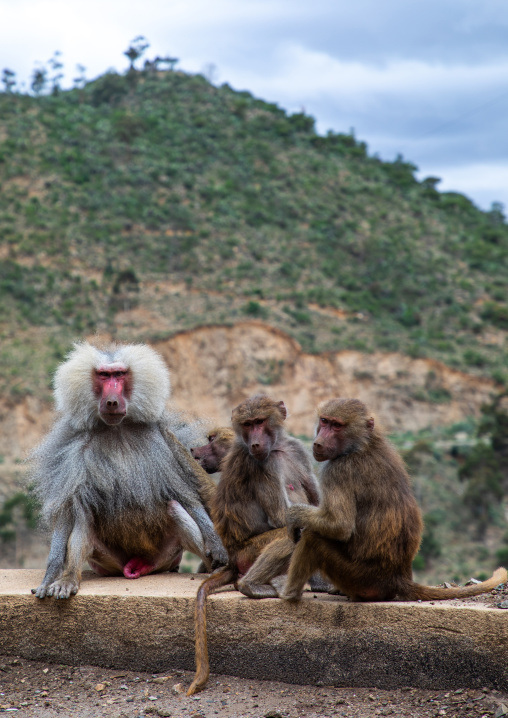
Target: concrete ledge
[{"x": 147, "y": 624}]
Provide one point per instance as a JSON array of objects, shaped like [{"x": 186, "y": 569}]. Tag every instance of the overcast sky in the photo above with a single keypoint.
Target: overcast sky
[{"x": 424, "y": 78}]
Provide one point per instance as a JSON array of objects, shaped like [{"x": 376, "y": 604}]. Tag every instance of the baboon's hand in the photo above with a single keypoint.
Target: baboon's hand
[
  {"x": 296, "y": 521},
  {"x": 216, "y": 553},
  {"x": 58, "y": 589},
  {"x": 40, "y": 591}
]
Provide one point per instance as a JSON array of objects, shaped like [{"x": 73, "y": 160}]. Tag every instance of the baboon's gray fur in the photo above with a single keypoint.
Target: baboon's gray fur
[{"x": 104, "y": 478}]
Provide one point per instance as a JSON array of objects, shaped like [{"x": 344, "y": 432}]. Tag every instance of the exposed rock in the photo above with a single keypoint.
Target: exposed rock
[{"x": 216, "y": 367}]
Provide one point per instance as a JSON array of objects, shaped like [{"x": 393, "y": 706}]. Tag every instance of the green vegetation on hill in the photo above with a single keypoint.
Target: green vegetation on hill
[
  {"x": 158, "y": 176},
  {"x": 461, "y": 538}
]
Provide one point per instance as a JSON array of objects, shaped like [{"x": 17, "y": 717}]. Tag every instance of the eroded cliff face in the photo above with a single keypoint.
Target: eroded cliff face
[
  {"x": 22, "y": 425},
  {"x": 214, "y": 368}
]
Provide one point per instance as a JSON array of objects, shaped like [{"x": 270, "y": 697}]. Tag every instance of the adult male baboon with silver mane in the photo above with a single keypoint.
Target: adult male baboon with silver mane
[{"x": 117, "y": 486}]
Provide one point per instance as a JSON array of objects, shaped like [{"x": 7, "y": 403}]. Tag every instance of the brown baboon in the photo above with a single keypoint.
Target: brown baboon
[
  {"x": 117, "y": 486},
  {"x": 301, "y": 488},
  {"x": 251, "y": 500},
  {"x": 367, "y": 529},
  {"x": 210, "y": 455}
]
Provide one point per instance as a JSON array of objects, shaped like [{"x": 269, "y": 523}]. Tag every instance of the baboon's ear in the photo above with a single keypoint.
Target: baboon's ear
[
  {"x": 282, "y": 409},
  {"x": 370, "y": 423}
]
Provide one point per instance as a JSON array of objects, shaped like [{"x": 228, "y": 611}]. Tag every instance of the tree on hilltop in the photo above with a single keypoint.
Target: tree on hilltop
[
  {"x": 39, "y": 80},
  {"x": 8, "y": 79},
  {"x": 136, "y": 49}
]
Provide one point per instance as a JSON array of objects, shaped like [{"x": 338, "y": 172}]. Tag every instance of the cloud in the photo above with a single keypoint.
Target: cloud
[
  {"x": 299, "y": 71},
  {"x": 485, "y": 182}
]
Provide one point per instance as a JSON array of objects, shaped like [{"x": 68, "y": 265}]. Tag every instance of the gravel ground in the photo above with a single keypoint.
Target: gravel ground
[{"x": 30, "y": 688}]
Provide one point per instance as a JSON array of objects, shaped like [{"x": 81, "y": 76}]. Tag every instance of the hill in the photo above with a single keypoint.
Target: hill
[
  {"x": 158, "y": 192},
  {"x": 254, "y": 253}
]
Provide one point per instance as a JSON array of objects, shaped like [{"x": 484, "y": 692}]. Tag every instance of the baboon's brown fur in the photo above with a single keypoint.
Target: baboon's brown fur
[
  {"x": 367, "y": 529},
  {"x": 221, "y": 439},
  {"x": 211, "y": 454},
  {"x": 250, "y": 503}
]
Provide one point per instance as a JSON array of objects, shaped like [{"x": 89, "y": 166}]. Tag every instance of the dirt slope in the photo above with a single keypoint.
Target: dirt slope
[{"x": 213, "y": 368}]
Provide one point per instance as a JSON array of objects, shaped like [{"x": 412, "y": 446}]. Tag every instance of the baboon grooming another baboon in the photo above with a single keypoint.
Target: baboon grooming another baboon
[
  {"x": 116, "y": 485},
  {"x": 367, "y": 529},
  {"x": 300, "y": 486},
  {"x": 251, "y": 500}
]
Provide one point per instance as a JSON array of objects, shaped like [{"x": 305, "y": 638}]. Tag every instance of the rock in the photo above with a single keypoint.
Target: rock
[
  {"x": 100, "y": 687},
  {"x": 501, "y": 710},
  {"x": 472, "y": 582},
  {"x": 273, "y": 714},
  {"x": 161, "y": 679},
  {"x": 162, "y": 712},
  {"x": 178, "y": 689},
  {"x": 503, "y": 604}
]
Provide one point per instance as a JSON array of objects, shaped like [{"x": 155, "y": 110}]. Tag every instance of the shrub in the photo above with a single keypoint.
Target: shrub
[
  {"x": 110, "y": 88},
  {"x": 29, "y": 513},
  {"x": 474, "y": 358},
  {"x": 400, "y": 173},
  {"x": 254, "y": 309},
  {"x": 502, "y": 556},
  {"x": 302, "y": 122},
  {"x": 496, "y": 314},
  {"x": 127, "y": 126},
  {"x": 408, "y": 316}
]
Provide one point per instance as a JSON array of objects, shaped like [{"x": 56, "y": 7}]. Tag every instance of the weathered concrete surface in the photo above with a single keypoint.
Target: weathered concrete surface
[{"x": 147, "y": 624}]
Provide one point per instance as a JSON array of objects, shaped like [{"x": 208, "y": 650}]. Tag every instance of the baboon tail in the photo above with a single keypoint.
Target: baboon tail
[
  {"x": 415, "y": 592},
  {"x": 220, "y": 578}
]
